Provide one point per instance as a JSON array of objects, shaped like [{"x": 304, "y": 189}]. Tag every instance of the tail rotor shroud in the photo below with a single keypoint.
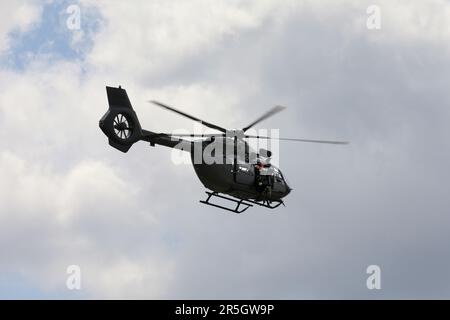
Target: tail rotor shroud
[{"x": 120, "y": 123}]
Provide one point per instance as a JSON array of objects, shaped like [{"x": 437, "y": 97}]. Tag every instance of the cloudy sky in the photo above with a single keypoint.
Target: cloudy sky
[{"x": 132, "y": 222}]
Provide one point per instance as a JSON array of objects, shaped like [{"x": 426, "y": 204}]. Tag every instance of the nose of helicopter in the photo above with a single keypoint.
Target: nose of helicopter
[{"x": 288, "y": 190}]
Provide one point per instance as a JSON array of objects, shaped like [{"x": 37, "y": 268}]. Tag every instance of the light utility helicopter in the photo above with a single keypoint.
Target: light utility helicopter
[{"x": 238, "y": 174}]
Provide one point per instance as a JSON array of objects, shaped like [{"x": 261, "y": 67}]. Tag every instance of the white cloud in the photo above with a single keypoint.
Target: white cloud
[
  {"x": 17, "y": 15},
  {"x": 80, "y": 218},
  {"x": 427, "y": 21},
  {"x": 155, "y": 37}
]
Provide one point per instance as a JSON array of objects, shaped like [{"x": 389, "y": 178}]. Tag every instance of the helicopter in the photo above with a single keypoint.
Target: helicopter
[{"x": 238, "y": 174}]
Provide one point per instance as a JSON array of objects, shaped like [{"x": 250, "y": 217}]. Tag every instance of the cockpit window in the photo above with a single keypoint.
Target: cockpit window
[
  {"x": 277, "y": 173},
  {"x": 285, "y": 179}
]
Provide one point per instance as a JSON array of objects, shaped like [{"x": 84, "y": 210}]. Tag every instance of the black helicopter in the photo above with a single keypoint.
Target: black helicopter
[{"x": 238, "y": 174}]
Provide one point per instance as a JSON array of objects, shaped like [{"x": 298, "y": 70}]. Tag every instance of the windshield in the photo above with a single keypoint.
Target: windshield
[{"x": 278, "y": 174}]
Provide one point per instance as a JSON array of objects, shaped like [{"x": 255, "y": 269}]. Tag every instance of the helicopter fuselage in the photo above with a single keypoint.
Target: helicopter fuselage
[{"x": 239, "y": 176}]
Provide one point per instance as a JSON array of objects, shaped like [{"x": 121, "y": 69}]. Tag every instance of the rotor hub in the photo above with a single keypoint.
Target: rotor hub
[{"x": 239, "y": 133}]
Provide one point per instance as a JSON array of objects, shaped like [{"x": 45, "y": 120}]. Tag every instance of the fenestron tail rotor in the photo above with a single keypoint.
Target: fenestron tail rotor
[
  {"x": 120, "y": 123},
  {"x": 122, "y": 127}
]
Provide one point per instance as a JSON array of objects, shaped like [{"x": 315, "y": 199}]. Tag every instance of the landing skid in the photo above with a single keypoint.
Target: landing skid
[
  {"x": 241, "y": 205},
  {"x": 268, "y": 204}
]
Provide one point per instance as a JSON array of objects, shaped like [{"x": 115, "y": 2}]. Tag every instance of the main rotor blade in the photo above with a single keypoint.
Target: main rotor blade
[
  {"x": 210, "y": 125},
  {"x": 299, "y": 140},
  {"x": 266, "y": 115},
  {"x": 195, "y": 135},
  {"x": 206, "y": 135}
]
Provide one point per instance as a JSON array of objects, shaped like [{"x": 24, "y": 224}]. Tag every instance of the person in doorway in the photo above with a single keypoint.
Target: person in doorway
[{"x": 264, "y": 178}]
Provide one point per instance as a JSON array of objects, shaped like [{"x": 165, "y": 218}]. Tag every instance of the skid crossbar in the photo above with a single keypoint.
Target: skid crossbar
[
  {"x": 237, "y": 209},
  {"x": 241, "y": 204}
]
